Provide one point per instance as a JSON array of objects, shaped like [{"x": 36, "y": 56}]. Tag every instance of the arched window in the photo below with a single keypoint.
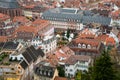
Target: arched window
[
  {"x": 88, "y": 46},
  {"x": 83, "y": 46},
  {"x": 79, "y": 45}
]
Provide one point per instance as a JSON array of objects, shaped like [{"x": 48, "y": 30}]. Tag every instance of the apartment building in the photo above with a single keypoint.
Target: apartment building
[{"x": 77, "y": 63}]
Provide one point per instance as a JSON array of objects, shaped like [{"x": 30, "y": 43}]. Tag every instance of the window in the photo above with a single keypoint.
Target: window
[
  {"x": 83, "y": 46},
  {"x": 71, "y": 70},
  {"x": 79, "y": 45},
  {"x": 88, "y": 46}
]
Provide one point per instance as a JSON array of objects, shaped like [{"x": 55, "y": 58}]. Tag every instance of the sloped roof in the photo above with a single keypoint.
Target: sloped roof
[
  {"x": 91, "y": 42},
  {"x": 24, "y": 65},
  {"x": 40, "y": 52},
  {"x": 9, "y": 45},
  {"x": 42, "y": 70},
  {"x": 31, "y": 54},
  {"x": 78, "y": 16},
  {"x": 75, "y": 58},
  {"x": 9, "y": 4},
  {"x": 3, "y": 38},
  {"x": 27, "y": 57}
]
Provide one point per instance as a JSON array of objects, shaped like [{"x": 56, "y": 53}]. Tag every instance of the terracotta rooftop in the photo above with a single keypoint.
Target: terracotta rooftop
[
  {"x": 115, "y": 14},
  {"x": 52, "y": 59},
  {"x": 20, "y": 19},
  {"x": 102, "y": 37},
  {"x": 63, "y": 52},
  {"x": 60, "y": 55},
  {"x": 40, "y": 22},
  {"x": 117, "y": 2},
  {"x": 35, "y": 27},
  {"x": 72, "y": 3},
  {"x": 110, "y": 40},
  {"x": 26, "y": 29},
  {"x": 91, "y": 42},
  {"x": 107, "y": 39},
  {"x": 87, "y": 34},
  {"x": 3, "y": 38},
  {"x": 4, "y": 17}
]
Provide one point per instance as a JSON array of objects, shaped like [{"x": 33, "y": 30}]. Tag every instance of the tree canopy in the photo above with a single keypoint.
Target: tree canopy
[
  {"x": 102, "y": 69},
  {"x": 78, "y": 75},
  {"x": 61, "y": 71}
]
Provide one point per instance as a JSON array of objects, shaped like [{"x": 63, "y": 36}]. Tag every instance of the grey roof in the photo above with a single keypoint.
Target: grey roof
[
  {"x": 79, "y": 16},
  {"x": 24, "y": 65},
  {"x": 28, "y": 58},
  {"x": 45, "y": 71},
  {"x": 75, "y": 58},
  {"x": 40, "y": 52},
  {"x": 9, "y": 4},
  {"x": 31, "y": 54},
  {"x": 9, "y": 45}
]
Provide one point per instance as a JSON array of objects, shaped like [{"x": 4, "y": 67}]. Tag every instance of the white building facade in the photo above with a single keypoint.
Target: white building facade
[{"x": 74, "y": 65}]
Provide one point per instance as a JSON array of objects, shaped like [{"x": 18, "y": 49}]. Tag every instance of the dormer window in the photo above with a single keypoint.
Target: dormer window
[
  {"x": 79, "y": 45},
  {"x": 83, "y": 46},
  {"x": 88, "y": 46}
]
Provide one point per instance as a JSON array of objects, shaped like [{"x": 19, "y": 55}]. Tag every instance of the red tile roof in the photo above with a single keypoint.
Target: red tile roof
[
  {"x": 115, "y": 14},
  {"x": 63, "y": 52},
  {"x": 86, "y": 34},
  {"x": 40, "y": 24},
  {"x": 36, "y": 26},
  {"x": 52, "y": 59},
  {"x": 110, "y": 41},
  {"x": 102, "y": 37},
  {"x": 4, "y": 17},
  {"x": 106, "y": 39},
  {"x": 91, "y": 42},
  {"x": 3, "y": 38},
  {"x": 26, "y": 29},
  {"x": 20, "y": 19}
]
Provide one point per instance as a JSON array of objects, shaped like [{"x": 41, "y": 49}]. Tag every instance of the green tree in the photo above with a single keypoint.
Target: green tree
[
  {"x": 102, "y": 69},
  {"x": 68, "y": 33},
  {"x": 78, "y": 75},
  {"x": 118, "y": 75},
  {"x": 86, "y": 75},
  {"x": 61, "y": 71}
]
